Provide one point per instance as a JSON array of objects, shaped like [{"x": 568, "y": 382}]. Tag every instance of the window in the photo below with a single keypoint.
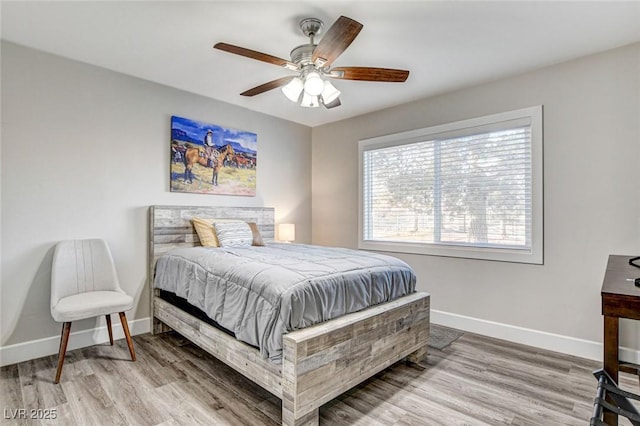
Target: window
[{"x": 467, "y": 189}]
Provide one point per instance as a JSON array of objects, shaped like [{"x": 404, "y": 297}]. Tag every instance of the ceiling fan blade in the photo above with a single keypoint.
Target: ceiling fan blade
[
  {"x": 333, "y": 104},
  {"x": 335, "y": 41},
  {"x": 267, "y": 86},
  {"x": 253, "y": 54},
  {"x": 369, "y": 74}
]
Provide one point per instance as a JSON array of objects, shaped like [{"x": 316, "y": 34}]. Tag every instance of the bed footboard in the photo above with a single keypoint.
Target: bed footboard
[{"x": 324, "y": 361}]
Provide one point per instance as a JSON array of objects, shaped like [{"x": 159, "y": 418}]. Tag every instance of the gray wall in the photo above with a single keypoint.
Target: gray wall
[
  {"x": 591, "y": 193},
  {"x": 85, "y": 151}
]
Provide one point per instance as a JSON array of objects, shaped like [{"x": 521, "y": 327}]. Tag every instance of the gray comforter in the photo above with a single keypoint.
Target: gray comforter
[{"x": 260, "y": 293}]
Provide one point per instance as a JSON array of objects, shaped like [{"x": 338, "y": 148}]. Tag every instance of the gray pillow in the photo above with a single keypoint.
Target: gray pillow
[{"x": 233, "y": 234}]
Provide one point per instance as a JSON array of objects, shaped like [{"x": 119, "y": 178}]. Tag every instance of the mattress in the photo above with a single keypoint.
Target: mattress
[{"x": 261, "y": 293}]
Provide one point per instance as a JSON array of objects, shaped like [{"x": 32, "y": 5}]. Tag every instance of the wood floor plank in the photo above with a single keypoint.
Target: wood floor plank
[
  {"x": 516, "y": 380},
  {"x": 75, "y": 365},
  {"x": 463, "y": 396},
  {"x": 38, "y": 389},
  {"x": 183, "y": 410},
  {"x": 226, "y": 376},
  {"x": 220, "y": 398},
  {"x": 272, "y": 408},
  {"x": 338, "y": 413},
  {"x": 64, "y": 415},
  {"x": 365, "y": 402},
  {"x": 132, "y": 397},
  {"x": 525, "y": 355},
  {"x": 530, "y": 401},
  {"x": 10, "y": 387},
  {"x": 151, "y": 367},
  {"x": 89, "y": 402},
  {"x": 475, "y": 381},
  {"x": 421, "y": 408}
]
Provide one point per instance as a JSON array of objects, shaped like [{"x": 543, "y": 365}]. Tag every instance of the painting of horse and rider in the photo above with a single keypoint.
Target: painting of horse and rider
[{"x": 211, "y": 159}]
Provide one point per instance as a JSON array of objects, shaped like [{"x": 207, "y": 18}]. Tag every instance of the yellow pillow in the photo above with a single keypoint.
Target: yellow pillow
[{"x": 207, "y": 233}]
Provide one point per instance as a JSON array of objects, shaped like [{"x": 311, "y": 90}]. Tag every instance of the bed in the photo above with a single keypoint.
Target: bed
[{"x": 317, "y": 363}]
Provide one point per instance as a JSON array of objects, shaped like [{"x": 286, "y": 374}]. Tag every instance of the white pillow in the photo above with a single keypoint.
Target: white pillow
[{"x": 233, "y": 234}]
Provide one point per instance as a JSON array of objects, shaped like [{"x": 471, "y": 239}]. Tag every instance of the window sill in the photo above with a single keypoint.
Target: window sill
[{"x": 478, "y": 253}]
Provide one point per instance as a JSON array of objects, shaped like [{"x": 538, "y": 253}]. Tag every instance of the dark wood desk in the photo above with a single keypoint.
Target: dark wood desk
[{"x": 620, "y": 299}]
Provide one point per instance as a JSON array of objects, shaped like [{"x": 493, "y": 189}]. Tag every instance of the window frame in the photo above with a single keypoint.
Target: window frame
[{"x": 460, "y": 128}]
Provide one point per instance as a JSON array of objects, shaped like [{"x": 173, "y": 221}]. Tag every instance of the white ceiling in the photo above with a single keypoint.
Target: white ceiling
[{"x": 446, "y": 45}]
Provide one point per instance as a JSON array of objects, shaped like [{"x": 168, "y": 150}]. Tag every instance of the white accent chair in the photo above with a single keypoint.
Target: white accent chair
[{"x": 84, "y": 284}]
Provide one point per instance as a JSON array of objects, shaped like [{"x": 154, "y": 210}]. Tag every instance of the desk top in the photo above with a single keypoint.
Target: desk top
[{"x": 615, "y": 277}]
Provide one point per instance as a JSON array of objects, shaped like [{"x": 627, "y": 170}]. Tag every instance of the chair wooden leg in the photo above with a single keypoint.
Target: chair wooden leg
[
  {"x": 66, "y": 328},
  {"x": 127, "y": 335},
  {"x": 109, "y": 328},
  {"x": 61, "y": 339}
]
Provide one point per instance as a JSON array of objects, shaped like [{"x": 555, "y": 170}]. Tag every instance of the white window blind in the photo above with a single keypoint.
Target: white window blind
[{"x": 466, "y": 188}]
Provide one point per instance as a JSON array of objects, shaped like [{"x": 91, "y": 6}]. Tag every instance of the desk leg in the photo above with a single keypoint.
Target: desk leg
[{"x": 611, "y": 359}]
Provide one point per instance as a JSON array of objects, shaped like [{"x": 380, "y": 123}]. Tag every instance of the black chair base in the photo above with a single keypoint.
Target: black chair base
[{"x": 619, "y": 401}]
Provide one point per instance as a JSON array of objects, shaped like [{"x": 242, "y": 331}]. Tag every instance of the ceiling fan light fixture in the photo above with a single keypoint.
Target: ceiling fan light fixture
[
  {"x": 329, "y": 92},
  {"x": 309, "y": 101},
  {"x": 293, "y": 89},
  {"x": 313, "y": 64},
  {"x": 313, "y": 83}
]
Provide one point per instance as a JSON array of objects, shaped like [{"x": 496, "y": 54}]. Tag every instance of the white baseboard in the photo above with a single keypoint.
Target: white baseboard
[
  {"x": 526, "y": 336},
  {"x": 564, "y": 344},
  {"x": 33, "y": 349}
]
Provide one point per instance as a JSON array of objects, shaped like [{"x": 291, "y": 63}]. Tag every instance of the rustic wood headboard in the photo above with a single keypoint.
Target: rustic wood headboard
[{"x": 170, "y": 226}]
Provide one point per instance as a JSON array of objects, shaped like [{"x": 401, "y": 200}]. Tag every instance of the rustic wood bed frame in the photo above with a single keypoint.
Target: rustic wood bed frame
[{"x": 318, "y": 363}]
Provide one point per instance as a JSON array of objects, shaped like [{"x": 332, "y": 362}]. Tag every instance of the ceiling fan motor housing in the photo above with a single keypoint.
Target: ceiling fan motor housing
[{"x": 301, "y": 55}]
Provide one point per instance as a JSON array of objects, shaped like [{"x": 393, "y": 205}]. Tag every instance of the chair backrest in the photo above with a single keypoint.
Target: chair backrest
[{"x": 80, "y": 266}]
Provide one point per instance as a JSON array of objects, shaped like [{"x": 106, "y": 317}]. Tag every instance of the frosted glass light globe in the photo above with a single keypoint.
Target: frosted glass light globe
[
  {"x": 313, "y": 84},
  {"x": 293, "y": 89},
  {"x": 309, "y": 101},
  {"x": 329, "y": 93}
]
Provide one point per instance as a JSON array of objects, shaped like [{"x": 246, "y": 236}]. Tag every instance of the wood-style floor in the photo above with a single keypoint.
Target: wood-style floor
[{"x": 475, "y": 381}]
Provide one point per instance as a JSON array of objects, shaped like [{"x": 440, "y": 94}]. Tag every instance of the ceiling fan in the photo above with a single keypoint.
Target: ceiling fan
[{"x": 313, "y": 63}]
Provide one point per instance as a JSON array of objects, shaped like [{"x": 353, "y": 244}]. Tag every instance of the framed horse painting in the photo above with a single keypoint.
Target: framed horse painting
[{"x": 211, "y": 159}]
